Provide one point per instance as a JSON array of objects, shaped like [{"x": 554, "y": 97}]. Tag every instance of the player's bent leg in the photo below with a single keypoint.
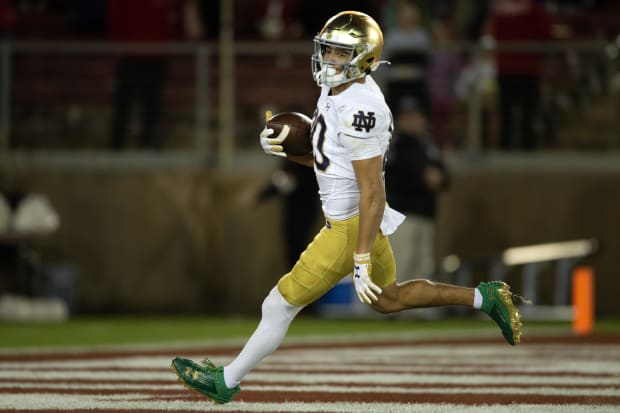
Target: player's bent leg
[
  {"x": 497, "y": 301},
  {"x": 421, "y": 294}
]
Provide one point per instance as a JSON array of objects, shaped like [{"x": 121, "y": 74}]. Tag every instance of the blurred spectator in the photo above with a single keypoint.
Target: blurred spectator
[
  {"x": 278, "y": 19},
  {"x": 409, "y": 33},
  {"x": 140, "y": 76},
  {"x": 469, "y": 17},
  {"x": 414, "y": 176},
  {"x": 406, "y": 46},
  {"x": 519, "y": 73},
  {"x": 210, "y": 17},
  {"x": 297, "y": 185},
  {"x": 7, "y": 17},
  {"x": 443, "y": 68},
  {"x": 476, "y": 86}
]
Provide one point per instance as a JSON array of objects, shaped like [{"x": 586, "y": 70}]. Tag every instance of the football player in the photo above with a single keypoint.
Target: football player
[{"x": 351, "y": 131}]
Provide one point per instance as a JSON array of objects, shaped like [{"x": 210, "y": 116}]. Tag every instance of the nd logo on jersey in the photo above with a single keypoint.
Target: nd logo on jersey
[{"x": 364, "y": 121}]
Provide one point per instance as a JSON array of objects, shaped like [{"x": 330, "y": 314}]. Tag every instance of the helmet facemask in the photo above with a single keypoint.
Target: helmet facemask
[{"x": 326, "y": 73}]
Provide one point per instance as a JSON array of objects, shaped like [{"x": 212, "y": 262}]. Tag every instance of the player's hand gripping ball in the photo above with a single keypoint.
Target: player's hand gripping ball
[{"x": 286, "y": 133}]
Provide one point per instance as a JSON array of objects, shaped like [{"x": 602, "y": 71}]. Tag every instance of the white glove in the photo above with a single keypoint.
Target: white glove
[
  {"x": 273, "y": 146},
  {"x": 364, "y": 287}
]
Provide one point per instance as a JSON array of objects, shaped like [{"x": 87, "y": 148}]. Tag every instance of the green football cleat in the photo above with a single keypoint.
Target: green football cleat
[
  {"x": 205, "y": 378},
  {"x": 498, "y": 303}
]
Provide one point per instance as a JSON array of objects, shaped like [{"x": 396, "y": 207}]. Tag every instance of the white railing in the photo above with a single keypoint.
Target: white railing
[{"x": 532, "y": 260}]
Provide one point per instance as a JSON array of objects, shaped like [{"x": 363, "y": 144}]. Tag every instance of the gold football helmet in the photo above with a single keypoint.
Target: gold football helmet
[{"x": 353, "y": 31}]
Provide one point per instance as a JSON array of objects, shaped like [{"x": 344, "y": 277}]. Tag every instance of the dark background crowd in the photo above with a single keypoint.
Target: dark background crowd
[{"x": 443, "y": 53}]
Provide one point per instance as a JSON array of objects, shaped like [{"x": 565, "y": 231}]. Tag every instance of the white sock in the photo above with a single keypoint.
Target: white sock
[
  {"x": 477, "y": 299},
  {"x": 277, "y": 315}
]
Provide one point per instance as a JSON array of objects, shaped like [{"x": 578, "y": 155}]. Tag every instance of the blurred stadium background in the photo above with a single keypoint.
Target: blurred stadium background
[{"x": 165, "y": 228}]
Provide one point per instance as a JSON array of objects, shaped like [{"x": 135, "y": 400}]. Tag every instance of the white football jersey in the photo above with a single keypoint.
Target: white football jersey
[{"x": 355, "y": 124}]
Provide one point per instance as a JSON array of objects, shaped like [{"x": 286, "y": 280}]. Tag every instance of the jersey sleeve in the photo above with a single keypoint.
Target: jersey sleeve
[
  {"x": 363, "y": 120},
  {"x": 362, "y": 128}
]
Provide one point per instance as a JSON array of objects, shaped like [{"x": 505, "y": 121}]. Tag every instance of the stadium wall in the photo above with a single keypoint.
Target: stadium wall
[{"x": 185, "y": 241}]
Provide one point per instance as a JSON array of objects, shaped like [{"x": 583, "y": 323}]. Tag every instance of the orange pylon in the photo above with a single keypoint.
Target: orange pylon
[{"x": 583, "y": 300}]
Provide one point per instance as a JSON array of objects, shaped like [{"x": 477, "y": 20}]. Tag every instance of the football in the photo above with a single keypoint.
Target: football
[{"x": 298, "y": 141}]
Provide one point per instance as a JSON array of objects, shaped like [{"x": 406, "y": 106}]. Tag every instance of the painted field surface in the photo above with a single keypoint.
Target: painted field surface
[{"x": 544, "y": 374}]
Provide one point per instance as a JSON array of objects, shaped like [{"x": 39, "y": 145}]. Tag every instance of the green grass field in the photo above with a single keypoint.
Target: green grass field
[{"x": 87, "y": 331}]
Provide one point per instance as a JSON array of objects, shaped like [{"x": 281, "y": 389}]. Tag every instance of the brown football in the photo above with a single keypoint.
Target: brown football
[{"x": 298, "y": 141}]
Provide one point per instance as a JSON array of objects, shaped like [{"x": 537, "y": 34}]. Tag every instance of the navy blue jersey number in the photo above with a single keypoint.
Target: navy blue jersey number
[{"x": 318, "y": 140}]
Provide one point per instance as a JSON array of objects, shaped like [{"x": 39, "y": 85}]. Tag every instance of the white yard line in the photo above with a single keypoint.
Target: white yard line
[
  {"x": 361, "y": 378},
  {"x": 159, "y": 366},
  {"x": 37, "y": 402},
  {"x": 37, "y": 387},
  {"x": 542, "y": 390},
  {"x": 583, "y": 358}
]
